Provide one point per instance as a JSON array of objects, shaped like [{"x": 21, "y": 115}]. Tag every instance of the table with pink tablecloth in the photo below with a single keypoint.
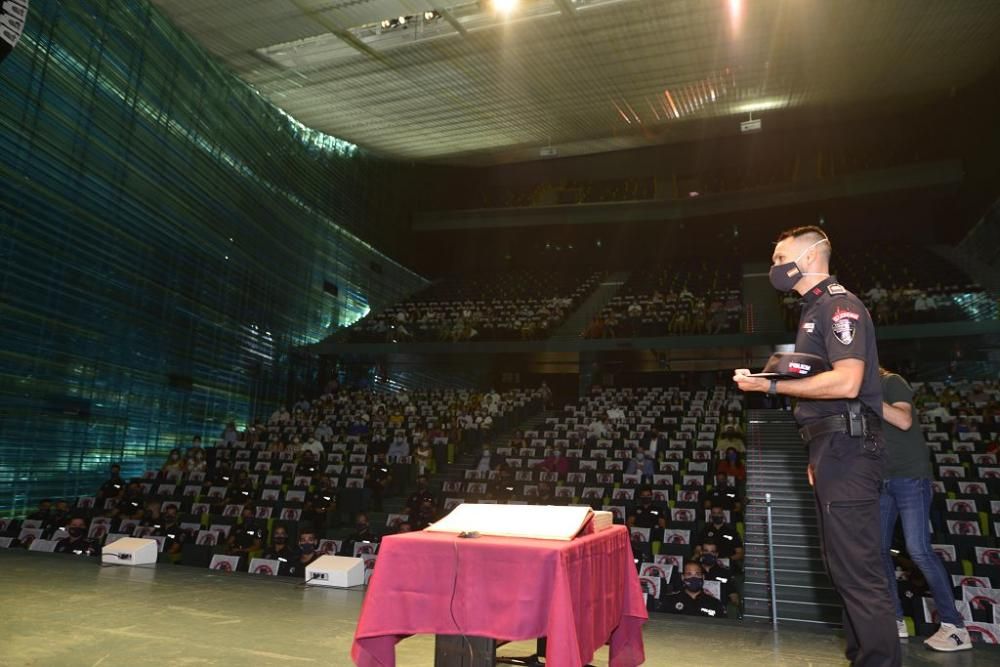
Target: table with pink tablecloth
[{"x": 579, "y": 594}]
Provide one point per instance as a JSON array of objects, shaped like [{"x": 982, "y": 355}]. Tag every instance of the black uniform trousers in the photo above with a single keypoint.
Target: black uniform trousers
[{"x": 846, "y": 485}]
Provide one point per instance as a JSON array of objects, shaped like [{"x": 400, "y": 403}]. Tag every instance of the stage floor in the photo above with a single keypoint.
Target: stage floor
[{"x": 58, "y": 610}]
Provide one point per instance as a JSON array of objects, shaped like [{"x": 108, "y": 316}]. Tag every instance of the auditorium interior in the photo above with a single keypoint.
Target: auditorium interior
[{"x": 289, "y": 279}]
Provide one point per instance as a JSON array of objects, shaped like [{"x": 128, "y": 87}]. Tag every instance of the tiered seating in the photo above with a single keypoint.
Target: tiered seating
[
  {"x": 519, "y": 305},
  {"x": 962, "y": 431},
  {"x": 305, "y": 466},
  {"x": 905, "y": 284},
  {"x": 599, "y": 437},
  {"x": 676, "y": 298}
]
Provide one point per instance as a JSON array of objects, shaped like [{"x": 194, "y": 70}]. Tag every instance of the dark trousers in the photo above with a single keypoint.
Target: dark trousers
[{"x": 847, "y": 480}]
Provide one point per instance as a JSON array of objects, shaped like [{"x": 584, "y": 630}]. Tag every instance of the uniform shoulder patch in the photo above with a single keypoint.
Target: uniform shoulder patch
[{"x": 836, "y": 289}]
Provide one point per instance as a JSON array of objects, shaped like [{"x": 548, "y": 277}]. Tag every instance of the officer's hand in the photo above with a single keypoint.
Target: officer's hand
[
  {"x": 746, "y": 383},
  {"x": 809, "y": 473}
]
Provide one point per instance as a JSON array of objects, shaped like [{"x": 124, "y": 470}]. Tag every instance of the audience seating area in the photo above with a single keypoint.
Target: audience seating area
[
  {"x": 962, "y": 431},
  {"x": 676, "y": 298},
  {"x": 519, "y": 305},
  {"x": 304, "y": 469},
  {"x": 610, "y": 448},
  {"x": 660, "y": 459},
  {"x": 905, "y": 284}
]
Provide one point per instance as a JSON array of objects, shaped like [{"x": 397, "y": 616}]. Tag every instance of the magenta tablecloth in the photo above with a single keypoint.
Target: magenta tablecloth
[{"x": 580, "y": 594}]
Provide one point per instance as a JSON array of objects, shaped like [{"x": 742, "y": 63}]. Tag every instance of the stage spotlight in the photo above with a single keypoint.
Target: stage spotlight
[{"x": 505, "y": 6}]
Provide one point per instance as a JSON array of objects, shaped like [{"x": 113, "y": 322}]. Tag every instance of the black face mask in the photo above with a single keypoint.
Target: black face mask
[
  {"x": 718, "y": 520},
  {"x": 709, "y": 559},
  {"x": 75, "y": 532},
  {"x": 694, "y": 583},
  {"x": 785, "y": 276},
  {"x": 307, "y": 548},
  {"x": 280, "y": 539}
]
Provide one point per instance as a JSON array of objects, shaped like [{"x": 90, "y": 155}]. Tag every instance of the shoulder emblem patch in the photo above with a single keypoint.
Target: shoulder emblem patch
[
  {"x": 835, "y": 289},
  {"x": 845, "y": 324}
]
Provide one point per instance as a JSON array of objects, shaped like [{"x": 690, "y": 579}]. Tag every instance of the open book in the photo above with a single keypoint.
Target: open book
[{"x": 544, "y": 522}]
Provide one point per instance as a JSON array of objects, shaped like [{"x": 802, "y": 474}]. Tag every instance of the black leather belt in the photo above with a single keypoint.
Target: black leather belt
[{"x": 834, "y": 424}]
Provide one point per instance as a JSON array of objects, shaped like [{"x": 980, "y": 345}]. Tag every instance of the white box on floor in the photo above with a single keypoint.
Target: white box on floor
[
  {"x": 336, "y": 572},
  {"x": 130, "y": 551}
]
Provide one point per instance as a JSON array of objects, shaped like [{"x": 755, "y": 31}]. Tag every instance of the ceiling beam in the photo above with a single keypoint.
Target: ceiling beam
[
  {"x": 339, "y": 31},
  {"x": 452, "y": 21},
  {"x": 566, "y": 7}
]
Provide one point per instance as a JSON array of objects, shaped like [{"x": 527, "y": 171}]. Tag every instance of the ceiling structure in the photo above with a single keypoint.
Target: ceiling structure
[{"x": 459, "y": 82}]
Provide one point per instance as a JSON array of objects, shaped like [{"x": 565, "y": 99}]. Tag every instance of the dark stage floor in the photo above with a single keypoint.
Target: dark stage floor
[{"x": 57, "y": 610}]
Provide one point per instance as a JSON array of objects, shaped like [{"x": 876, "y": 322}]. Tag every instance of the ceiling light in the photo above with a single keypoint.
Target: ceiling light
[
  {"x": 386, "y": 23},
  {"x": 505, "y": 6},
  {"x": 430, "y": 16},
  {"x": 402, "y": 20}
]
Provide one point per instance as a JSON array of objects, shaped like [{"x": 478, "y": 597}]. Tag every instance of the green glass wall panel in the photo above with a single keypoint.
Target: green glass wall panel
[{"x": 165, "y": 237}]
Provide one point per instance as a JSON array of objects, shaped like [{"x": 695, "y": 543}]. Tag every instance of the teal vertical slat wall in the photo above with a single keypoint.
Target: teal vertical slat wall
[{"x": 165, "y": 234}]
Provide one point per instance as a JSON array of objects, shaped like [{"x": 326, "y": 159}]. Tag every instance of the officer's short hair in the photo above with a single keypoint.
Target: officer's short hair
[{"x": 807, "y": 230}]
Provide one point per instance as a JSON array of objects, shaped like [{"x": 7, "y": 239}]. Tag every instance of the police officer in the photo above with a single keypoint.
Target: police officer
[
  {"x": 692, "y": 600},
  {"x": 839, "y": 413}
]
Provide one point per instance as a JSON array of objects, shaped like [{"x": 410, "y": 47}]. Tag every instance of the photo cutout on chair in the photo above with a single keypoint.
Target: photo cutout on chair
[
  {"x": 675, "y": 536},
  {"x": 329, "y": 547},
  {"x": 223, "y": 563}
]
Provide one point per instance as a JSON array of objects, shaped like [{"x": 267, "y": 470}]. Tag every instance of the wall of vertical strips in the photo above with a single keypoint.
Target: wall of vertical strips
[{"x": 166, "y": 235}]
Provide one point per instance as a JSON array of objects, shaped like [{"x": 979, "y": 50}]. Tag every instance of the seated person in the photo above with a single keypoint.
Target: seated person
[
  {"x": 78, "y": 543},
  {"x": 419, "y": 495},
  {"x": 321, "y": 505},
  {"x": 724, "y": 495},
  {"x": 175, "y": 462},
  {"x": 307, "y": 553},
  {"x": 362, "y": 533},
  {"x": 642, "y": 464},
  {"x": 113, "y": 487},
  {"x": 170, "y": 528},
  {"x": 732, "y": 465},
  {"x": 245, "y": 539},
  {"x": 555, "y": 462},
  {"x": 647, "y": 515},
  {"x": 423, "y": 517},
  {"x": 724, "y": 535},
  {"x": 281, "y": 551},
  {"x": 692, "y": 600},
  {"x": 708, "y": 556}
]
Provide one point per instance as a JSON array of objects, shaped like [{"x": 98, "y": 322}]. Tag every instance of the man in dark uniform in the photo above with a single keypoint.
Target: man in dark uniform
[
  {"x": 692, "y": 600},
  {"x": 839, "y": 413},
  {"x": 646, "y": 514},
  {"x": 77, "y": 543},
  {"x": 723, "y": 534}
]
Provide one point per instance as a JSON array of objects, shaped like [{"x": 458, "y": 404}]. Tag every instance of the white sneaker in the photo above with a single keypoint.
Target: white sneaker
[
  {"x": 901, "y": 629},
  {"x": 949, "y": 638}
]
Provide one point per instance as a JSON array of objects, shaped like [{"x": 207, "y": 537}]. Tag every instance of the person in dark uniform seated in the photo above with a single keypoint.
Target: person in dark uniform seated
[
  {"x": 839, "y": 412},
  {"x": 78, "y": 543},
  {"x": 724, "y": 495},
  {"x": 362, "y": 533},
  {"x": 308, "y": 541},
  {"x": 423, "y": 517},
  {"x": 170, "y": 528},
  {"x": 244, "y": 538},
  {"x": 43, "y": 511},
  {"x": 692, "y": 600},
  {"x": 647, "y": 515},
  {"x": 113, "y": 487},
  {"x": 724, "y": 535},
  {"x": 281, "y": 551},
  {"x": 321, "y": 505},
  {"x": 708, "y": 556},
  {"x": 545, "y": 495},
  {"x": 421, "y": 494}
]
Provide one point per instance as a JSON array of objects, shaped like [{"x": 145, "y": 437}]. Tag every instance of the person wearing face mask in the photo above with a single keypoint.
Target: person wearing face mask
[
  {"x": 77, "y": 542},
  {"x": 732, "y": 466},
  {"x": 839, "y": 413},
  {"x": 647, "y": 514},
  {"x": 722, "y": 533},
  {"x": 692, "y": 600},
  {"x": 307, "y": 552},
  {"x": 708, "y": 556},
  {"x": 281, "y": 551}
]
